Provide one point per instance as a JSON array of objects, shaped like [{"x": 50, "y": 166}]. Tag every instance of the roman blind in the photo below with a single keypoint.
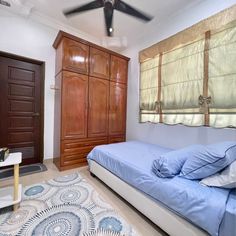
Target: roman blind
[
  {"x": 222, "y": 77},
  {"x": 149, "y": 89},
  {"x": 190, "y": 78},
  {"x": 181, "y": 84}
]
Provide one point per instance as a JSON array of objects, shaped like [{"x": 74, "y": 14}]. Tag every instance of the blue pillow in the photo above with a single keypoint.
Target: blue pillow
[
  {"x": 209, "y": 160},
  {"x": 169, "y": 164}
]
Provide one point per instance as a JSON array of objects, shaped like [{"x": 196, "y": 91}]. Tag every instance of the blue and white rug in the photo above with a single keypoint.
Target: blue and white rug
[{"x": 65, "y": 206}]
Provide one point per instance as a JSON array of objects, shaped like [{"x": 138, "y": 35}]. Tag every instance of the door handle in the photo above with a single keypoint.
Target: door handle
[{"x": 36, "y": 114}]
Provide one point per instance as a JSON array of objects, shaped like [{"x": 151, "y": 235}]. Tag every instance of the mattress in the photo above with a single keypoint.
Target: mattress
[{"x": 132, "y": 161}]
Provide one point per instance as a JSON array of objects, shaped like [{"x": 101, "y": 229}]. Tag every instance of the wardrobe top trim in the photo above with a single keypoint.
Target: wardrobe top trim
[{"x": 62, "y": 34}]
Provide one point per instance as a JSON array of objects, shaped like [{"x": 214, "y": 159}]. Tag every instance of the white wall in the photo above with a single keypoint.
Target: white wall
[
  {"x": 178, "y": 135},
  {"x": 24, "y": 37}
]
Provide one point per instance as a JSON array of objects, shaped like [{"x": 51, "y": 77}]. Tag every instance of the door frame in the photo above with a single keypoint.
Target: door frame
[{"x": 42, "y": 87}]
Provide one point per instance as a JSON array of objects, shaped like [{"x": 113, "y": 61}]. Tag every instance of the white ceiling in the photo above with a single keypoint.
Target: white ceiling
[{"x": 92, "y": 22}]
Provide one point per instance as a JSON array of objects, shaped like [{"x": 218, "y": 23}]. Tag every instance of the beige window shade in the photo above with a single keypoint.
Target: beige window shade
[
  {"x": 182, "y": 77},
  {"x": 194, "y": 81},
  {"x": 222, "y": 77},
  {"x": 186, "y": 119},
  {"x": 149, "y": 90},
  {"x": 190, "y": 34},
  {"x": 182, "y": 83},
  {"x": 223, "y": 120}
]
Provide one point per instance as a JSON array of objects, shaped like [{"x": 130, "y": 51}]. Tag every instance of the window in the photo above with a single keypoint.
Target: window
[{"x": 193, "y": 83}]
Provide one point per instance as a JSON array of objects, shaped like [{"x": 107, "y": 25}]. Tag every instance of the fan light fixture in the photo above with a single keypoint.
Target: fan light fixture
[
  {"x": 5, "y": 3},
  {"x": 108, "y": 7}
]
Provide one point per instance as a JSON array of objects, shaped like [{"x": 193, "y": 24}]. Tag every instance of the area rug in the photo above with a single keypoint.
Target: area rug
[
  {"x": 24, "y": 170},
  {"x": 67, "y": 206}
]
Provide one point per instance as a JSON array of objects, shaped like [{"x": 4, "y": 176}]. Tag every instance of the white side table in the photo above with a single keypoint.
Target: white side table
[{"x": 12, "y": 195}]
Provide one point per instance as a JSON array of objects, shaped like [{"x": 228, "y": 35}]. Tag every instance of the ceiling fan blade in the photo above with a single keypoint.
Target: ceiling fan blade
[
  {"x": 125, "y": 8},
  {"x": 86, "y": 7},
  {"x": 108, "y": 13}
]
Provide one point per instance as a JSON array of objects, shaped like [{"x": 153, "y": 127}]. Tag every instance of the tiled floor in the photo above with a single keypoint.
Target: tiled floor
[{"x": 142, "y": 225}]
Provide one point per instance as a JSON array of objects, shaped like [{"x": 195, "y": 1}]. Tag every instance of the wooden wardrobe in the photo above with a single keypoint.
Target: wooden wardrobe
[{"x": 90, "y": 99}]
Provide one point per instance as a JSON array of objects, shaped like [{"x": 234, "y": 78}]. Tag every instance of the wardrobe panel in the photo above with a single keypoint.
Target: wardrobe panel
[
  {"x": 74, "y": 105},
  {"x": 116, "y": 139},
  {"x": 117, "y": 112},
  {"x": 75, "y": 56},
  {"x": 99, "y": 63},
  {"x": 98, "y": 107},
  {"x": 119, "y": 69}
]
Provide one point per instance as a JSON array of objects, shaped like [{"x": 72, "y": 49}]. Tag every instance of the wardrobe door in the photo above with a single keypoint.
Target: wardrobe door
[
  {"x": 119, "y": 69},
  {"x": 99, "y": 63},
  {"x": 74, "y": 105},
  {"x": 98, "y": 107},
  {"x": 117, "y": 112},
  {"x": 75, "y": 56}
]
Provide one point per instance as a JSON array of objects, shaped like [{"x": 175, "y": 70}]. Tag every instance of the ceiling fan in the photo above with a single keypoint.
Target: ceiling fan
[{"x": 108, "y": 7}]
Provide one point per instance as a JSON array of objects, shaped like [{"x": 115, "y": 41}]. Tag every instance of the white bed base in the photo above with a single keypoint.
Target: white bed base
[{"x": 168, "y": 221}]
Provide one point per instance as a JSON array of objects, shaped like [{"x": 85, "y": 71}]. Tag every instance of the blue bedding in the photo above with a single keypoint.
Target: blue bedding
[
  {"x": 132, "y": 161},
  {"x": 228, "y": 224}
]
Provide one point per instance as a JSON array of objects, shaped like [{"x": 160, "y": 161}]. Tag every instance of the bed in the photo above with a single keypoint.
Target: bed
[{"x": 179, "y": 206}]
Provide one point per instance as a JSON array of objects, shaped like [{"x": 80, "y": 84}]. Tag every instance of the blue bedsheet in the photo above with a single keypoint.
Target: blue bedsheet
[
  {"x": 228, "y": 224},
  {"x": 132, "y": 161}
]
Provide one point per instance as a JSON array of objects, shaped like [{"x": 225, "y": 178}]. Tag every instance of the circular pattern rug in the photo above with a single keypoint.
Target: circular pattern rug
[
  {"x": 65, "y": 206},
  {"x": 58, "y": 220},
  {"x": 101, "y": 232}
]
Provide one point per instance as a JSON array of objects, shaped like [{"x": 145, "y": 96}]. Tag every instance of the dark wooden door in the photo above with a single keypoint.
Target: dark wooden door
[
  {"x": 20, "y": 108},
  {"x": 117, "y": 112},
  {"x": 74, "y": 105},
  {"x": 98, "y": 107}
]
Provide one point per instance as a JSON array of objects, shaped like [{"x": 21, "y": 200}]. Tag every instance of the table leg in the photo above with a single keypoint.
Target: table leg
[{"x": 16, "y": 185}]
